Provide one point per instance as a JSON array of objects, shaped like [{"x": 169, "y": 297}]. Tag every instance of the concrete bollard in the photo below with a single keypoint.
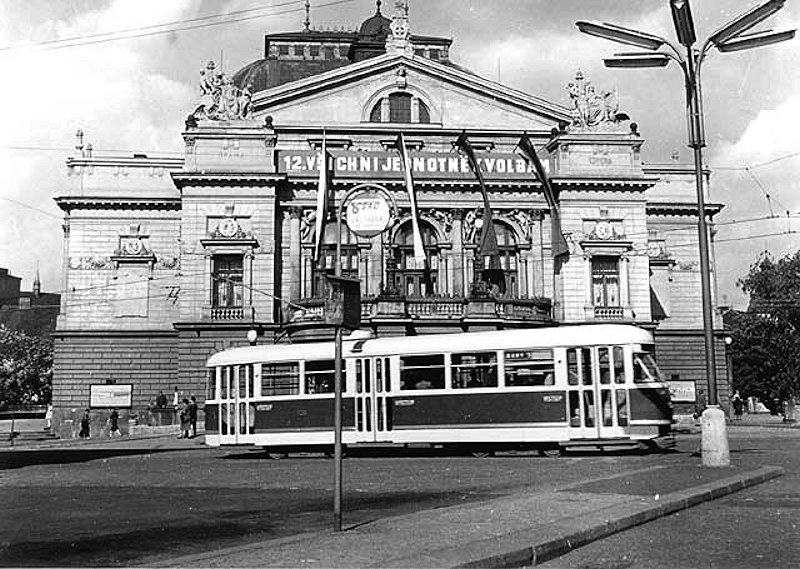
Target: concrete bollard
[{"x": 714, "y": 448}]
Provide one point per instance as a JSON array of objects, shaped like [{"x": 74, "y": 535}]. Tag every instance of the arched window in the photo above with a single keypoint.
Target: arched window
[
  {"x": 408, "y": 275},
  {"x": 327, "y": 264},
  {"x": 507, "y": 246},
  {"x": 424, "y": 113},
  {"x": 400, "y": 107}
]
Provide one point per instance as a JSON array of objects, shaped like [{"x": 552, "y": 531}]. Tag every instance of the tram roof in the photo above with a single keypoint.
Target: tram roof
[{"x": 359, "y": 345}]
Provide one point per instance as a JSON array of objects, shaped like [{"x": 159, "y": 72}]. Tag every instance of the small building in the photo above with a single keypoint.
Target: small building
[
  {"x": 32, "y": 312},
  {"x": 170, "y": 259}
]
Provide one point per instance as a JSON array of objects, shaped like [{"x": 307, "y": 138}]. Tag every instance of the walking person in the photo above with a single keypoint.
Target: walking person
[
  {"x": 738, "y": 406},
  {"x": 183, "y": 415},
  {"x": 193, "y": 416},
  {"x": 113, "y": 422},
  {"x": 84, "y": 433}
]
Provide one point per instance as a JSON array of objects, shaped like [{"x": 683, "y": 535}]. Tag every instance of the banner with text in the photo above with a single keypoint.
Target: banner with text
[{"x": 347, "y": 164}]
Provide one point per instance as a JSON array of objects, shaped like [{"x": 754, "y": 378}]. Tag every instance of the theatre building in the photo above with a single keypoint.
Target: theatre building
[{"x": 170, "y": 259}]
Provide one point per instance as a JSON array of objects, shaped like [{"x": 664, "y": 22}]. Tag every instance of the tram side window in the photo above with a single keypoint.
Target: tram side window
[
  {"x": 572, "y": 366},
  {"x": 619, "y": 365},
  {"x": 645, "y": 369},
  {"x": 280, "y": 379},
  {"x": 526, "y": 368},
  {"x": 474, "y": 370},
  {"x": 422, "y": 372},
  {"x": 320, "y": 376},
  {"x": 211, "y": 382}
]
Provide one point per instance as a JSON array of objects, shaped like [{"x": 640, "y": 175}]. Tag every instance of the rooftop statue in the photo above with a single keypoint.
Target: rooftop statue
[
  {"x": 590, "y": 108},
  {"x": 220, "y": 98}
]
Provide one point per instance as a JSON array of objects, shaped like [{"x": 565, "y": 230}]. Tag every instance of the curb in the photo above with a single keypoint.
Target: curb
[{"x": 674, "y": 502}]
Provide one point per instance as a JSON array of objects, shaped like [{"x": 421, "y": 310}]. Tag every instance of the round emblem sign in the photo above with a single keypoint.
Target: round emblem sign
[{"x": 368, "y": 212}]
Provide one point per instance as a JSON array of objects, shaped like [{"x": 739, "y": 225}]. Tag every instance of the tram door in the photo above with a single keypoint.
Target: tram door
[
  {"x": 236, "y": 393},
  {"x": 598, "y": 406},
  {"x": 372, "y": 381}
]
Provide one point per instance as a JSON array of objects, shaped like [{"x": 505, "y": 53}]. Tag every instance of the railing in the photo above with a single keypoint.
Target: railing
[
  {"x": 435, "y": 308},
  {"x": 524, "y": 308},
  {"x": 609, "y": 312},
  {"x": 227, "y": 313}
]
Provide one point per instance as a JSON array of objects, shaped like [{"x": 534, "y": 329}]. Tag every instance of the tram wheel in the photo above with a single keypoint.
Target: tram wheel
[
  {"x": 277, "y": 455},
  {"x": 482, "y": 453}
]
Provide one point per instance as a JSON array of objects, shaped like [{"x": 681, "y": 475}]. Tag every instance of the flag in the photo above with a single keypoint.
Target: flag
[
  {"x": 405, "y": 163},
  {"x": 559, "y": 244},
  {"x": 488, "y": 244},
  {"x": 322, "y": 199}
]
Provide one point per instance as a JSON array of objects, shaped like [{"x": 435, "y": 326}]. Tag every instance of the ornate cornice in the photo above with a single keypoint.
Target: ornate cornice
[
  {"x": 100, "y": 202},
  {"x": 182, "y": 179},
  {"x": 681, "y": 208}
]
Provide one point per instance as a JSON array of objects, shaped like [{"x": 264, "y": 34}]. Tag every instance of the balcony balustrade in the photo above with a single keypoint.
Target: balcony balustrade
[{"x": 453, "y": 309}]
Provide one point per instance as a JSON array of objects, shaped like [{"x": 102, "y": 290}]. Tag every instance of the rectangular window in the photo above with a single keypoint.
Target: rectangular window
[
  {"x": 320, "y": 376},
  {"x": 328, "y": 52},
  {"x": 605, "y": 281},
  {"x": 422, "y": 372},
  {"x": 283, "y": 50},
  {"x": 314, "y": 51},
  {"x": 474, "y": 370},
  {"x": 526, "y": 368},
  {"x": 226, "y": 281},
  {"x": 299, "y": 50},
  {"x": 400, "y": 107},
  {"x": 280, "y": 379},
  {"x": 619, "y": 365}
]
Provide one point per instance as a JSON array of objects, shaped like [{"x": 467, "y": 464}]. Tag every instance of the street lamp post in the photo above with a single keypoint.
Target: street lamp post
[{"x": 730, "y": 37}]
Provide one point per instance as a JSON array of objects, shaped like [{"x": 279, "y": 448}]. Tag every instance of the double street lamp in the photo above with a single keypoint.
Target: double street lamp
[{"x": 730, "y": 37}]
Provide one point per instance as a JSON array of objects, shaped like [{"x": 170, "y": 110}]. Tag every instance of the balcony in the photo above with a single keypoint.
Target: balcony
[
  {"x": 609, "y": 313},
  {"x": 433, "y": 310},
  {"x": 229, "y": 313}
]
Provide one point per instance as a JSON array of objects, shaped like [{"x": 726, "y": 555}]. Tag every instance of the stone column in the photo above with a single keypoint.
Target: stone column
[
  {"x": 295, "y": 278},
  {"x": 624, "y": 292}
]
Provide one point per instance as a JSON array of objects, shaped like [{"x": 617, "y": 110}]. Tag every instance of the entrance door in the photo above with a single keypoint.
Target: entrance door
[
  {"x": 373, "y": 377},
  {"x": 597, "y": 394}
]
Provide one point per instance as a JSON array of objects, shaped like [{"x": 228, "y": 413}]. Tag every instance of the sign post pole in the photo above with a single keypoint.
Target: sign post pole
[{"x": 370, "y": 212}]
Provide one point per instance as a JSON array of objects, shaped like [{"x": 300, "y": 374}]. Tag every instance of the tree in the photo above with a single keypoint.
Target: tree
[
  {"x": 26, "y": 368},
  {"x": 766, "y": 344}
]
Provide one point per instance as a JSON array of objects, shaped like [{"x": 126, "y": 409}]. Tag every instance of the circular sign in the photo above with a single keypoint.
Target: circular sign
[{"x": 368, "y": 213}]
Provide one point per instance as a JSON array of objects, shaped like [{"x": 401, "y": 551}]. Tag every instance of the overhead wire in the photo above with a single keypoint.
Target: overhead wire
[{"x": 171, "y": 30}]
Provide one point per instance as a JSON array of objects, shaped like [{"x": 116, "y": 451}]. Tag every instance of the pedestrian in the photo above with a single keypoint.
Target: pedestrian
[
  {"x": 113, "y": 422},
  {"x": 738, "y": 406},
  {"x": 48, "y": 417},
  {"x": 193, "y": 416},
  {"x": 183, "y": 415},
  {"x": 161, "y": 400},
  {"x": 84, "y": 433}
]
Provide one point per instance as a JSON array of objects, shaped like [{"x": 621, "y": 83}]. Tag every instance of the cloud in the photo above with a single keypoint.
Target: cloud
[{"x": 112, "y": 91}]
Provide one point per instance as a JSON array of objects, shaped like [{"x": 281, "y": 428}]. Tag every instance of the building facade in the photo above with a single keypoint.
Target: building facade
[{"x": 167, "y": 260}]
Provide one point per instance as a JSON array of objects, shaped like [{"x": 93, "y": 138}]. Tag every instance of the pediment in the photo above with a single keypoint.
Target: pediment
[{"x": 456, "y": 98}]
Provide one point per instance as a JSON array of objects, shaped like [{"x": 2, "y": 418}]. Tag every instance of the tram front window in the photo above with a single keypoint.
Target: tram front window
[{"x": 645, "y": 369}]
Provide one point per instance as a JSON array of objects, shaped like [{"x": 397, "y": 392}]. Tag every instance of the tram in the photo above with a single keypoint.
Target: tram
[{"x": 540, "y": 389}]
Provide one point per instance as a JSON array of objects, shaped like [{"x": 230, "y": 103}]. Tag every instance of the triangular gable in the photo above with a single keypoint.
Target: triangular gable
[{"x": 454, "y": 80}]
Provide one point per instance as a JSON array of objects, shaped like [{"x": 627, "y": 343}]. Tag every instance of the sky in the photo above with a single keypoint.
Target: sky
[{"x": 133, "y": 95}]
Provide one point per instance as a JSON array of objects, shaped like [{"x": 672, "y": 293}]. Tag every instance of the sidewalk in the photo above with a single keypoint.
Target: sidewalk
[{"x": 520, "y": 530}]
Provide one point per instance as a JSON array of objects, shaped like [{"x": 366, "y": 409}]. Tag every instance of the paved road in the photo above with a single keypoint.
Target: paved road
[
  {"x": 755, "y": 528},
  {"x": 134, "y": 502}
]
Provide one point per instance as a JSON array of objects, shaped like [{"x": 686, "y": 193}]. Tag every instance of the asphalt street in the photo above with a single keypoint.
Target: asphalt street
[
  {"x": 140, "y": 502},
  {"x": 755, "y": 528}
]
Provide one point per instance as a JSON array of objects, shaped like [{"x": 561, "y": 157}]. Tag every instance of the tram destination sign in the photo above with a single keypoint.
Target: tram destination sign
[{"x": 348, "y": 164}]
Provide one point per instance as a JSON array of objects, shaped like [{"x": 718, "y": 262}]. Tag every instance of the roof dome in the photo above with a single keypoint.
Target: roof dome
[{"x": 375, "y": 28}]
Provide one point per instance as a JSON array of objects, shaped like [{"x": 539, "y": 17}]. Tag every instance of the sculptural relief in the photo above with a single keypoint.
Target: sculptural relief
[
  {"x": 220, "y": 98},
  {"x": 591, "y": 108}
]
